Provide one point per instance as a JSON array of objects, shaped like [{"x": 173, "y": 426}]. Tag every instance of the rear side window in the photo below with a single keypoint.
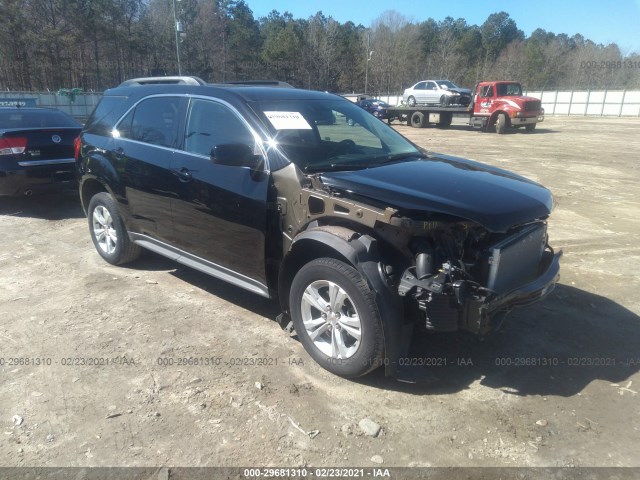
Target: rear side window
[
  {"x": 210, "y": 124},
  {"x": 105, "y": 115},
  {"x": 154, "y": 120}
]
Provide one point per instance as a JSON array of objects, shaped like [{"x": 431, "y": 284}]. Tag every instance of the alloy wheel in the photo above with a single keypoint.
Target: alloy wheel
[{"x": 331, "y": 320}]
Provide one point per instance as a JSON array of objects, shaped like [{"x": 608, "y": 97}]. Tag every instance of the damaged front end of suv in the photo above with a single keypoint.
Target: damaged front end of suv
[{"x": 444, "y": 243}]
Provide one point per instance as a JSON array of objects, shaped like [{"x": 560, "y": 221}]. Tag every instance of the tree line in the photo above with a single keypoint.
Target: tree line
[{"x": 96, "y": 44}]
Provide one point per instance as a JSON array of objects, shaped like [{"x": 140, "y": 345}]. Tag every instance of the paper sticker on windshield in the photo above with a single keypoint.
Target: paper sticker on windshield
[{"x": 288, "y": 121}]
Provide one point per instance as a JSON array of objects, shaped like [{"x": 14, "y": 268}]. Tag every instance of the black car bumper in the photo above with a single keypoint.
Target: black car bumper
[
  {"x": 37, "y": 179},
  {"x": 458, "y": 99},
  {"x": 482, "y": 315},
  {"x": 533, "y": 291},
  {"x": 382, "y": 114}
]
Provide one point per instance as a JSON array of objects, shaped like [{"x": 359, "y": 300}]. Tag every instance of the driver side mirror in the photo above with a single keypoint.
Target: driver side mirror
[{"x": 235, "y": 155}]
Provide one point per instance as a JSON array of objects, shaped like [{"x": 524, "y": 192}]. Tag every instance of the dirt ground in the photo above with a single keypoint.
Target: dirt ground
[{"x": 559, "y": 387}]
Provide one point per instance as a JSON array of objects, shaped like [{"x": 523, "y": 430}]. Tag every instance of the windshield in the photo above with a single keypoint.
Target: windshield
[
  {"x": 509, "y": 89},
  {"x": 447, "y": 83},
  {"x": 331, "y": 134}
]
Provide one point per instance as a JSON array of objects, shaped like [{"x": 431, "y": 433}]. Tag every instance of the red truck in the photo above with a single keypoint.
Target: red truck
[{"x": 498, "y": 104}]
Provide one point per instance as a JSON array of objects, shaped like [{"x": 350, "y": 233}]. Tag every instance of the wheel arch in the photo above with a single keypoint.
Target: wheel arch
[
  {"x": 361, "y": 252},
  {"x": 88, "y": 188},
  {"x": 494, "y": 117}
]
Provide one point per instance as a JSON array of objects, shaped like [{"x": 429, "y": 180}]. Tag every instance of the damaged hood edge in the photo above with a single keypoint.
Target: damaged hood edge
[{"x": 492, "y": 197}]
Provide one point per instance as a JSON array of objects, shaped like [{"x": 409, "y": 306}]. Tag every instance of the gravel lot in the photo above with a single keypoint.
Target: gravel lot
[{"x": 91, "y": 369}]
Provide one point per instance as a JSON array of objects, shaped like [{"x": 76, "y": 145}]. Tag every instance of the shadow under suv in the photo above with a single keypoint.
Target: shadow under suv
[{"x": 360, "y": 233}]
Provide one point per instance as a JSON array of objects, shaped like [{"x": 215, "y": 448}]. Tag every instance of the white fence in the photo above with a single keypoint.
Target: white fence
[{"x": 618, "y": 103}]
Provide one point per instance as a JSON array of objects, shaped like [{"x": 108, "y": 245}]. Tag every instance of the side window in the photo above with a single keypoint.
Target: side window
[
  {"x": 421, "y": 86},
  {"x": 154, "y": 121},
  {"x": 431, "y": 86},
  {"x": 487, "y": 92},
  {"x": 210, "y": 124}
]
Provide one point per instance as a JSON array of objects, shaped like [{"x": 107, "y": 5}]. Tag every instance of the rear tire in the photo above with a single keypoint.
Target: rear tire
[
  {"x": 411, "y": 101},
  {"x": 417, "y": 120},
  {"x": 108, "y": 232},
  {"x": 336, "y": 317}
]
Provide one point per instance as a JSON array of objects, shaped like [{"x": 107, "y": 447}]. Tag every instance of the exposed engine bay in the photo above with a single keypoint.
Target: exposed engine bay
[{"x": 455, "y": 274}]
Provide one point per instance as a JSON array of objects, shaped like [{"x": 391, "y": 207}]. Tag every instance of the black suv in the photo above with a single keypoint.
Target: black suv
[{"x": 360, "y": 233}]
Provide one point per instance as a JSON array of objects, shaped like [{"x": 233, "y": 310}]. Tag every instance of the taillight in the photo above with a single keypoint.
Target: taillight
[
  {"x": 13, "y": 145},
  {"x": 76, "y": 148}
]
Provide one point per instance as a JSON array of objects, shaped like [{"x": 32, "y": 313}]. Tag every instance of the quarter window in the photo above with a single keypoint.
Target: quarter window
[{"x": 210, "y": 124}]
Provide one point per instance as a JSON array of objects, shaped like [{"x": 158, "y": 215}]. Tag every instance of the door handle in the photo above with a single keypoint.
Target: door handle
[{"x": 184, "y": 174}]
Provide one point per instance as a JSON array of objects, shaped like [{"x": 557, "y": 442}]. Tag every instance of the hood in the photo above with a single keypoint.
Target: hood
[
  {"x": 494, "y": 198},
  {"x": 517, "y": 100},
  {"x": 464, "y": 91}
]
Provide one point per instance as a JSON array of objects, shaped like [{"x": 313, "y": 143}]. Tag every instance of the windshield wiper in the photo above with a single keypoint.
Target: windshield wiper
[
  {"x": 403, "y": 156},
  {"x": 375, "y": 162},
  {"x": 338, "y": 167}
]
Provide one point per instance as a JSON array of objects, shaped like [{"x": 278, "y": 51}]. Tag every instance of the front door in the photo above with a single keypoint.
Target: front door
[
  {"x": 431, "y": 93},
  {"x": 220, "y": 213}
]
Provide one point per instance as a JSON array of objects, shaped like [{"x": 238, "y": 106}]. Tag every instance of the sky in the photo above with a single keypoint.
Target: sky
[{"x": 600, "y": 21}]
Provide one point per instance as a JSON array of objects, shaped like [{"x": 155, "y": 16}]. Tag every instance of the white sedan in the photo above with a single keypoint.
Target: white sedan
[{"x": 440, "y": 92}]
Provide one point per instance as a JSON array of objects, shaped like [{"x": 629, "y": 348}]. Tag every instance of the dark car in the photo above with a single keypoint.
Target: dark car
[
  {"x": 36, "y": 150},
  {"x": 377, "y": 108},
  {"x": 360, "y": 234}
]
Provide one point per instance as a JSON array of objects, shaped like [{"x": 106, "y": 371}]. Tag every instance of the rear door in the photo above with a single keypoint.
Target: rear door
[
  {"x": 220, "y": 212},
  {"x": 143, "y": 150}
]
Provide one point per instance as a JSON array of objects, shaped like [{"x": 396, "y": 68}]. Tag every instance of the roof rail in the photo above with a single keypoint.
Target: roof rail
[
  {"x": 259, "y": 83},
  {"x": 163, "y": 81}
]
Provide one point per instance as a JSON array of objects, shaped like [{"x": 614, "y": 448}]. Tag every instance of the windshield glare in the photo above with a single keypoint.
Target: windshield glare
[
  {"x": 448, "y": 84},
  {"x": 319, "y": 135}
]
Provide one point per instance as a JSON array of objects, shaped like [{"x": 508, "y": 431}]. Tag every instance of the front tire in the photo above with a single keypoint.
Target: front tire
[
  {"x": 530, "y": 127},
  {"x": 501, "y": 123},
  {"x": 108, "y": 232},
  {"x": 336, "y": 317}
]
